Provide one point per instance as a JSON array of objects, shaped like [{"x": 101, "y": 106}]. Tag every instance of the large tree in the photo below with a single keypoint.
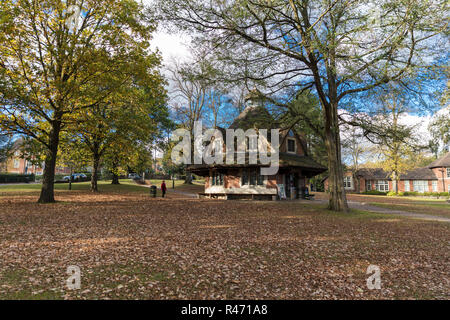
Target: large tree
[
  {"x": 395, "y": 139},
  {"x": 337, "y": 48},
  {"x": 129, "y": 119},
  {"x": 53, "y": 54}
]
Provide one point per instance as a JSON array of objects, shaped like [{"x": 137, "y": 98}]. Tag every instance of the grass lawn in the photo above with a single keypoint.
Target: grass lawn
[
  {"x": 131, "y": 246},
  {"x": 126, "y": 186},
  {"x": 426, "y": 207}
]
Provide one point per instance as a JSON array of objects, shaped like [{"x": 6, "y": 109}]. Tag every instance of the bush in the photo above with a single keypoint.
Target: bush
[
  {"x": 426, "y": 194},
  {"x": 375, "y": 193},
  {"x": 395, "y": 194},
  {"x": 411, "y": 193}
]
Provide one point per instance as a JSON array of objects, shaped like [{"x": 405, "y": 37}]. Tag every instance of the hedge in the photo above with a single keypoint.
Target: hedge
[
  {"x": 16, "y": 178},
  {"x": 418, "y": 194},
  {"x": 375, "y": 192}
]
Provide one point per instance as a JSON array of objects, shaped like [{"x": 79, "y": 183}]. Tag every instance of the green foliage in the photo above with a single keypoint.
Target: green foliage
[{"x": 52, "y": 73}]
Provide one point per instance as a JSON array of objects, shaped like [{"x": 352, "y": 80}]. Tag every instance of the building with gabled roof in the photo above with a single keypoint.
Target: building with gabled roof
[
  {"x": 433, "y": 178},
  {"x": 237, "y": 181}
]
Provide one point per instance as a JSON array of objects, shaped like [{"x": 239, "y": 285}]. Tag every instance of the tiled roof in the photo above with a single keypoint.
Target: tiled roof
[
  {"x": 373, "y": 173},
  {"x": 419, "y": 174},
  {"x": 442, "y": 162},
  {"x": 380, "y": 174}
]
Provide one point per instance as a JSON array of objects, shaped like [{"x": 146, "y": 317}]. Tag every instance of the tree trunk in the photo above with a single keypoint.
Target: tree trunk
[
  {"x": 70, "y": 179},
  {"x": 188, "y": 179},
  {"x": 115, "y": 177},
  {"x": 357, "y": 182},
  {"x": 338, "y": 200},
  {"x": 94, "y": 177},
  {"x": 48, "y": 181},
  {"x": 395, "y": 181}
]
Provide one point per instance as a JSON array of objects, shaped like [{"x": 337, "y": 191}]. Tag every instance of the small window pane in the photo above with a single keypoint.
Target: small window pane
[
  {"x": 244, "y": 177},
  {"x": 260, "y": 181},
  {"x": 291, "y": 145},
  {"x": 253, "y": 178}
]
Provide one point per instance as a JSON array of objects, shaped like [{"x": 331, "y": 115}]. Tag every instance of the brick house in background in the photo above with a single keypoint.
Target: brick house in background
[
  {"x": 231, "y": 181},
  {"x": 18, "y": 165},
  {"x": 434, "y": 178}
]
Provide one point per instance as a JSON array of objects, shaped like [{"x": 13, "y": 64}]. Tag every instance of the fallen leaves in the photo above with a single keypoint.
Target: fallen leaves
[{"x": 130, "y": 246}]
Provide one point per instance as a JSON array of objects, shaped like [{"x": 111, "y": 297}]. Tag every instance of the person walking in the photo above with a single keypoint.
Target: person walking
[{"x": 163, "y": 188}]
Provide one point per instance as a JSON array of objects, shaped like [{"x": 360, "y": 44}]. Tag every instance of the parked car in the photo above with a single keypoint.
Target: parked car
[
  {"x": 134, "y": 176},
  {"x": 76, "y": 177}
]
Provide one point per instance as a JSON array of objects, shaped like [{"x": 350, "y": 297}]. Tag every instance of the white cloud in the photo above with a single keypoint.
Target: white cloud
[{"x": 171, "y": 46}]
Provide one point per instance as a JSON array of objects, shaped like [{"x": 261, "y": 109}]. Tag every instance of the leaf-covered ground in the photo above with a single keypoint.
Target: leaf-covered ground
[{"x": 131, "y": 246}]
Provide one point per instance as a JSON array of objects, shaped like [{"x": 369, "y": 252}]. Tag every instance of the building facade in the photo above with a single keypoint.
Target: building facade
[
  {"x": 17, "y": 164},
  {"x": 244, "y": 181},
  {"x": 434, "y": 178}
]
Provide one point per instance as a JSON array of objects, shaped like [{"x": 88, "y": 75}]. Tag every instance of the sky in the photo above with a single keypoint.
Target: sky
[{"x": 175, "y": 46}]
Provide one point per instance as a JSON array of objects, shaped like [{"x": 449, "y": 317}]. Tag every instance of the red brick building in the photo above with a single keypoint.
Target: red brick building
[
  {"x": 434, "y": 178},
  {"x": 230, "y": 181},
  {"x": 16, "y": 163}
]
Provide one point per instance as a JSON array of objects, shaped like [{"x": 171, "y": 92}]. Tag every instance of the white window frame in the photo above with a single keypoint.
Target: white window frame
[
  {"x": 421, "y": 186},
  {"x": 382, "y": 185},
  {"x": 348, "y": 182},
  {"x": 407, "y": 185},
  {"x": 295, "y": 145},
  {"x": 16, "y": 164}
]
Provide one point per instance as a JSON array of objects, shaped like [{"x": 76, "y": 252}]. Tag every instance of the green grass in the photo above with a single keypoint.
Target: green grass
[
  {"x": 126, "y": 185},
  {"x": 352, "y": 214}
]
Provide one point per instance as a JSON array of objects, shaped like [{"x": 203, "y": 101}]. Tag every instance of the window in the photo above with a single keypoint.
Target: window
[
  {"x": 382, "y": 185},
  {"x": 217, "y": 179},
  {"x": 348, "y": 182},
  {"x": 448, "y": 172},
  {"x": 420, "y": 186},
  {"x": 368, "y": 185},
  {"x": 435, "y": 186},
  {"x": 407, "y": 186},
  {"x": 291, "y": 145},
  {"x": 16, "y": 163},
  {"x": 251, "y": 177}
]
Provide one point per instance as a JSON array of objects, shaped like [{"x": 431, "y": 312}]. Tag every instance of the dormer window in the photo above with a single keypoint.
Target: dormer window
[{"x": 291, "y": 145}]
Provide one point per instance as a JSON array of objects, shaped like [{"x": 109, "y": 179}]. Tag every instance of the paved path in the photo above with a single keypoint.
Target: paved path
[
  {"x": 187, "y": 194},
  {"x": 367, "y": 207}
]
